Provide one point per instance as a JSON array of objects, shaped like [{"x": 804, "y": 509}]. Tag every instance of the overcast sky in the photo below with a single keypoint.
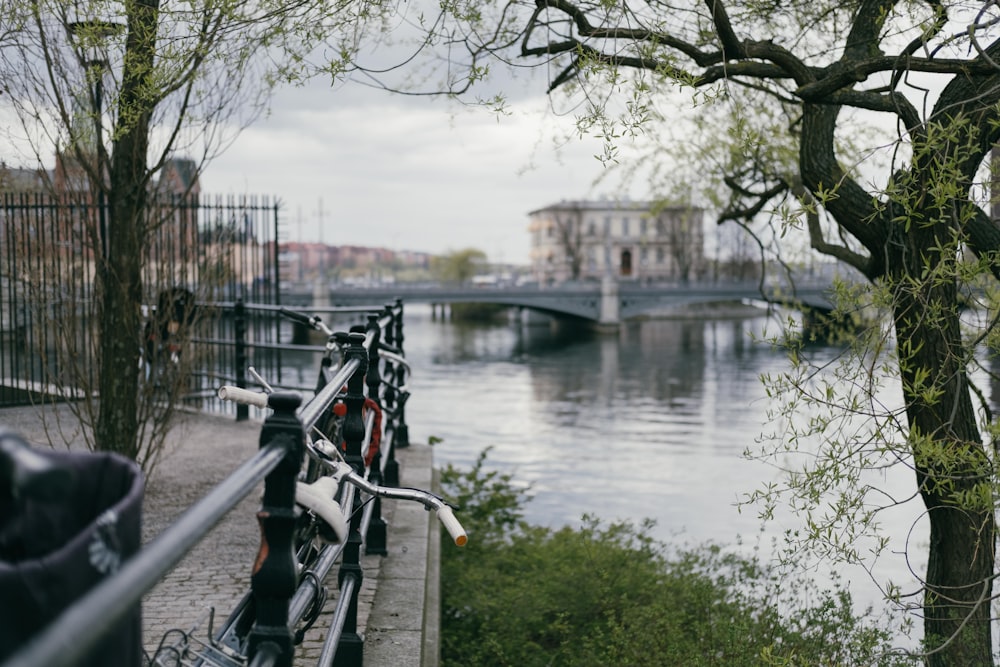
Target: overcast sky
[{"x": 358, "y": 166}]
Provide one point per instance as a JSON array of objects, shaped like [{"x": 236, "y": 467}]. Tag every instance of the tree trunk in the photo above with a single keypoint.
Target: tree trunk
[
  {"x": 121, "y": 293},
  {"x": 952, "y": 467},
  {"x": 120, "y": 276},
  {"x": 914, "y": 248}
]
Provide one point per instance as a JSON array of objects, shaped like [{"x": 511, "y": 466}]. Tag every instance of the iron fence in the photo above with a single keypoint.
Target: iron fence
[{"x": 219, "y": 249}]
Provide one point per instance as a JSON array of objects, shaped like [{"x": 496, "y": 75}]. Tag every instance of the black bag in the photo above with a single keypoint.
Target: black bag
[{"x": 52, "y": 552}]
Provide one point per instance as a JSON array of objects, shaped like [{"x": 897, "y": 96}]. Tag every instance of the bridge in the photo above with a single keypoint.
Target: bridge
[{"x": 606, "y": 303}]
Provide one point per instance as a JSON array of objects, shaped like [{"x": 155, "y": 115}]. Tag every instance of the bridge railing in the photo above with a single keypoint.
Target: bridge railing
[{"x": 373, "y": 372}]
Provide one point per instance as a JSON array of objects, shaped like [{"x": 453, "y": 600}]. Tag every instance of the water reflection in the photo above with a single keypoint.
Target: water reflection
[
  {"x": 648, "y": 422},
  {"x": 651, "y": 421}
]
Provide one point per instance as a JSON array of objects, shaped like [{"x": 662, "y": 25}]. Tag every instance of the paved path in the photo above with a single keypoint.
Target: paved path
[{"x": 201, "y": 451}]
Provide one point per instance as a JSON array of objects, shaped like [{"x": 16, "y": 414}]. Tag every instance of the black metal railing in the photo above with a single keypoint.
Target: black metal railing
[
  {"x": 238, "y": 334},
  {"x": 373, "y": 368}
]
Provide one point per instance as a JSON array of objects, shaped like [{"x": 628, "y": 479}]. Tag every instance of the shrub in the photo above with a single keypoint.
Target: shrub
[{"x": 607, "y": 594}]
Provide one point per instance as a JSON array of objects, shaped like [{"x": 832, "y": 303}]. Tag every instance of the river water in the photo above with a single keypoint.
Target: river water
[{"x": 650, "y": 422}]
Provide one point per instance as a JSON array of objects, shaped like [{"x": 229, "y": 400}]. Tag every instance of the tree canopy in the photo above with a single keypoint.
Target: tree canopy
[
  {"x": 458, "y": 265},
  {"x": 862, "y": 129},
  {"x": 112, "y": 90}
]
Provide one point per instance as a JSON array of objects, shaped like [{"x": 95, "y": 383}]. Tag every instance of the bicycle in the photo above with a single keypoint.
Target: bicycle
[
  {"x": 393, "y": 379},
  {"x": 337, "y": 507}
]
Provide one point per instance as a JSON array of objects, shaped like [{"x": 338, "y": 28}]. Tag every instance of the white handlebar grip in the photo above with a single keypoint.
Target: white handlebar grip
[
  {"x": 244, "y": 396},
  {"x": 447, "y": 518}
]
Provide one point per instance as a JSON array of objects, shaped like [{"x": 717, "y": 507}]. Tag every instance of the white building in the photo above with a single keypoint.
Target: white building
[{"x": 580, "y": 240}]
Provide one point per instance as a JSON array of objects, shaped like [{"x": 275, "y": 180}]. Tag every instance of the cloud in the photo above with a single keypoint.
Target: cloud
[{"x": 370, "y": 168}]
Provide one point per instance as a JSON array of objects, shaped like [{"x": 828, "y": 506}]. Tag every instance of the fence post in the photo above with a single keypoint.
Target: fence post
[
  {"x": 375, "y": 538},
  {"x": 389, "y": 335},
  {"x": 402, "y": 434},
  {"x": 274, "y": 572},
  {"x": 350, "y": 649},
  {"x": 373, "y": 376},
  {"x": 240, "y": 334},
  {"x": 391, "y": 477}
]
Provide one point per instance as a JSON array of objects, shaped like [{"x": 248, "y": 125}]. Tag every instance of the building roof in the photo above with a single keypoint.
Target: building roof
[
  {"x": 179, "y": 176},
  {"x": 606, "y": 205},
  {"x": 22, "y": 180}
]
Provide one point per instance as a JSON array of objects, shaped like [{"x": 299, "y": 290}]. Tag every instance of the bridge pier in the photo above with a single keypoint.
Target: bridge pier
[
  {"x": 609, "y": 314},
  {"x": 321, "y": 295},
  {"x": 445, "y": 311},
  {"x": 532, "y": 318}
]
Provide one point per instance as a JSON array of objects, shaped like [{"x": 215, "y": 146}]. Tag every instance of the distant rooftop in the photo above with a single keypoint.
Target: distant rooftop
[
  {"x": 16, "y": 179},
  {"x": 604, "y": 205}
]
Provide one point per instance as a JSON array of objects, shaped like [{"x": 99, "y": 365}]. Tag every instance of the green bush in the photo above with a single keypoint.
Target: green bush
[{"x": 606, "y": 594}]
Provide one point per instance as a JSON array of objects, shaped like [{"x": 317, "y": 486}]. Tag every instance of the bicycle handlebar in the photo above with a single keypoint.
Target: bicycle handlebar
[
  {"x": 342, "y": 472},
  {"x": 26, "y": 473},
  {"x": 312, "y": 321},
  {"x": 243, "y": 396},
  {"x": 295, "y": 315},
  {"x": 454, "y": 528}
]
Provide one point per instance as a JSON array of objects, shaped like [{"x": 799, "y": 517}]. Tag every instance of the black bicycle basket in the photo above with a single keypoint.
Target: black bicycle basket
[{"x": 52, "y": 551}]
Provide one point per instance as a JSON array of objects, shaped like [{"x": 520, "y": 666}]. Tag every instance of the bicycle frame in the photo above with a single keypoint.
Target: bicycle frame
[{"x": 343, "y": 380}]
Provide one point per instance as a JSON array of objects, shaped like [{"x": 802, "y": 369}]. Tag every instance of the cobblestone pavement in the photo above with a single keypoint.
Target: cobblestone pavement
[
  {"x": 216, "y": 573},
  {"x": 200, "y": 452}
]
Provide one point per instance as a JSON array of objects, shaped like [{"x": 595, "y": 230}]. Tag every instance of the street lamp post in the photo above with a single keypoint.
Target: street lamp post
[{"x": 90, "y": 38}]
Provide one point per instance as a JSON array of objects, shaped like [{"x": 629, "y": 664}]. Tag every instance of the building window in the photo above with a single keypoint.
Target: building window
[
  {"x": 659, "y": 255},
  {"x": 591, "y": 229},
  {"x": 643, "y": 256},
  {"x": 624, "y": 226},
  {"x": 607, "y": 226},
  {"x": 643, "y": 226}
]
